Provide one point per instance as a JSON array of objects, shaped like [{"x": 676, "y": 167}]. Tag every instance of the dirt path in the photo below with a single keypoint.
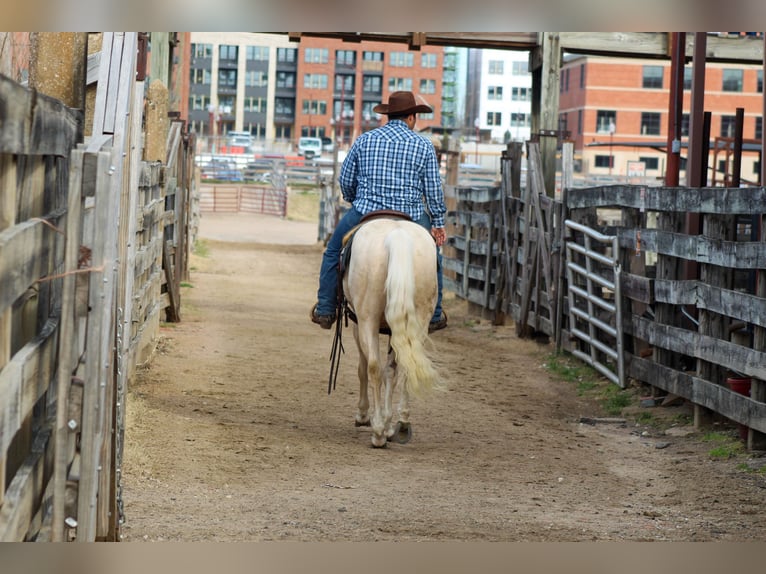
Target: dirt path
[{"x": 232, "y": 436}]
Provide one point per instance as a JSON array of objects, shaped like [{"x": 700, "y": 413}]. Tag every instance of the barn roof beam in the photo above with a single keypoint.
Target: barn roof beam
[{"x": 622, "y": 44}]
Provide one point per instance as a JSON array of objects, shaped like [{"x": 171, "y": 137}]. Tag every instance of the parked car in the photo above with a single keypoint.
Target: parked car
[
  {"x": 310, "y": 147},
  {"x": 239, "y": 142},
  {"x": 327, "y": 145}
]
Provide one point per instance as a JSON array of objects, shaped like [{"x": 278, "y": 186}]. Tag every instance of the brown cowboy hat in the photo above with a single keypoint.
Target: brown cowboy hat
[{"x": 402, "y": 103}]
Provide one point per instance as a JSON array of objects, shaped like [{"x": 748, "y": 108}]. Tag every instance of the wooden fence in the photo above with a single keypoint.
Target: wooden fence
[
  {"x": 692, "y": 303},
  {"x": 86, "y": 235}
]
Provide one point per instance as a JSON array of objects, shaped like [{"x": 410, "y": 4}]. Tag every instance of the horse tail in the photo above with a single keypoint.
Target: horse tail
[{"x": 408, "y": 333}]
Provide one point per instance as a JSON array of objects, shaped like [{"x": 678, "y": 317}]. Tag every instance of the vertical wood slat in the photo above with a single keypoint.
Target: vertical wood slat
[
  {"x": 67, "y": 357},
  {"x": 126, "y": 296},
  {"x": 7, "y": 219},
  {"x": 95, "y": 379}
]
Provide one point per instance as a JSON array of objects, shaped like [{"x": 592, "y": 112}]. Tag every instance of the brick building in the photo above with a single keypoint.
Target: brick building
[{"x": 616, "y": 110}]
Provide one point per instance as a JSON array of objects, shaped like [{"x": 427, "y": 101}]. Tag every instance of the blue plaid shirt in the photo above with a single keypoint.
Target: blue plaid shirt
[{"x": 392, "y": 167}]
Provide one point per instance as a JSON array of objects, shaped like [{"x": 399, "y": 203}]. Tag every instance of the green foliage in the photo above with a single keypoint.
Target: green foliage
[
  {"x": 589, "y": 382},
  {"x": 725, "y": 445},
  {"x": 201, "y": 248}
]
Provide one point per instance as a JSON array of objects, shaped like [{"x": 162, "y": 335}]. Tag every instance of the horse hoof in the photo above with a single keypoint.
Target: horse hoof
[
  {"x": 402, "y": 433},
  {"x": 362, "y": 423},
  {"x": 381, "y": 442}
]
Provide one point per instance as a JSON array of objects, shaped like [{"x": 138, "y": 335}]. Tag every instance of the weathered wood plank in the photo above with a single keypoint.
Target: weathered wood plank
[
  {"x": 731, "y": 254},
  {"x": 735, "y": 304},
  {"x": 22, "y": 495},
  {"x": 722, "y": 200},
  {"x": 717, "y": 397},
  {"x": 24, "y": 379},
  {"x": 729, "y": 355},
  {"x": 35, "y": 124},
  {"x": 24, "y": 255}
]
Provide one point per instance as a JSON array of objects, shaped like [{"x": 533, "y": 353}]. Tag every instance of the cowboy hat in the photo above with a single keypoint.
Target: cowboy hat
[{"x": 402, "y": 103}]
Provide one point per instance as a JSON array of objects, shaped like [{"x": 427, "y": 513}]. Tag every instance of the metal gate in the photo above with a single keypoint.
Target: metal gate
[{"x": 595, "y": 307}]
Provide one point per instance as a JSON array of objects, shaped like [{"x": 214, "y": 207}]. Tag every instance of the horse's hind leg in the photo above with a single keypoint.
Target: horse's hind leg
[
  {"x": 362, "y": 417},
  {"x": 402, "y": 430}
]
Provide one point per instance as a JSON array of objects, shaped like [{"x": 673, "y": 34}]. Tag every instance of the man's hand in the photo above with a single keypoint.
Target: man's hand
[{"x": 439, "y": 235}]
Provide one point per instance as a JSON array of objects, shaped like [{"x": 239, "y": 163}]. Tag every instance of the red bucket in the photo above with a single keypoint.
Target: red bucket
[{"x": 740, "y": 385}]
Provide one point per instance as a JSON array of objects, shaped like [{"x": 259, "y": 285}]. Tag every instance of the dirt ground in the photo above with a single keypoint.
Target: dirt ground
[{"x": 232, "y": 435}]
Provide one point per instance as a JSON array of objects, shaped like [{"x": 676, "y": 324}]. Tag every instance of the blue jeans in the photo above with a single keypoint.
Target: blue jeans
[{"x": 328, "y": 273}]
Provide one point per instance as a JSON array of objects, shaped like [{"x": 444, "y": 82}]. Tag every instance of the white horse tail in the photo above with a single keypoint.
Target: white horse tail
[{"x": 408, "y": 331}]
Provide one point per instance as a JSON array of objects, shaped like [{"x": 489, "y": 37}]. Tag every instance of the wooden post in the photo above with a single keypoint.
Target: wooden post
[
  {"x": 545, "y": 65},
  {"x": 58, "y": 67}
]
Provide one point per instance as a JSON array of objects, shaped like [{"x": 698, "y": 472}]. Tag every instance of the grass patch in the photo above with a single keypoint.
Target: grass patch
[
  {"x": 614, "y": 399},
  {"x": 186, "y": 284},
  {"x": 724, "y": 445},
  {"x": 201, "y": 248},
  {"x": 589, "y": 382}
]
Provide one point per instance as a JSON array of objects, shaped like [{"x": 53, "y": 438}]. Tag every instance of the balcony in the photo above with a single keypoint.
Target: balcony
[{"x": 372, "y": 66}]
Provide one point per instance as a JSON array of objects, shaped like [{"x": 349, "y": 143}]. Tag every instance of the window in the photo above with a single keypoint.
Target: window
[
  {"x": 756, "y": 167},
  {"x": 603, "y": 161},
  {"x": 427, "y": 86},
  {"x": 564, "y": 83},
  {"x": 650, "y": 162},
  {"x": 372, "y": 56},
  {"x": 202, "y": 50},
  {"x": 345, "y": 57},
  {"x": 495, "y": 93},
  {"x": 758, "y": 127},
  {"x": 285, "y": 80},
  {"x": 688, "y": 73},
  {"x": 605, "y": 119},
  {"x": 402, "y": 59},
  {"x": 520, "y": 120},
  {"x": 494, "y": 118},
  {"x": 652, "y": 77},
  {"x": 582, "y": 77},
  {"x": 495, "y": 66},
  {"x": 579, "y": 121},
  {"x": 315, "y": 107},
  {"x": 256, "y": 79},
  {"x": 521, "y": 94},
  {"x": 284, "y": 106},
  {"x": 344, "y": 83},
  {"x": 316, "y": 56},
  {"x": 372, "y": 84},
  {"x": 257, "y": 105},
  {"x": 398, "y": 84},
  {"x": 759, "y": 82},
  {"x": 227, "y": 78},
  {"x": 226, "y": 52},
  {"x": 286, "y": 55},
  {"x": 428, "y": 60},
  {"x": 727, "y": 126},
  {"x": 315, "y": 81},
  {"x": 732, "y": 81},
  {"x": 650, "y": 123},
  {"x": 258, "y": 53},
  {"x": 520, "y": 68},
  {"x": 348, "y": 109},
  {"x": 685, "y": 125},
  {"x": 200, "y": 76},
  {"x": 199, "y": 102}
]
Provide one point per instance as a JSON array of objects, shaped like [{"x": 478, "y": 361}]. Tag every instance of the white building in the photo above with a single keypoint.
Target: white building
[{"x": 499, "y": 96}]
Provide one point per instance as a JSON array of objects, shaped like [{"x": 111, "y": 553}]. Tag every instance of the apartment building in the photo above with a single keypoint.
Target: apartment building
[
  {"x": 499, "y": 95},
  {"x": 281, "y": 90},
  {"x": 616, "y": 110}
]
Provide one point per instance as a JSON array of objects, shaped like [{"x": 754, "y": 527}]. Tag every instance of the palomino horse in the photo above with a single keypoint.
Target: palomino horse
[{"x": 390, "y": 286}]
